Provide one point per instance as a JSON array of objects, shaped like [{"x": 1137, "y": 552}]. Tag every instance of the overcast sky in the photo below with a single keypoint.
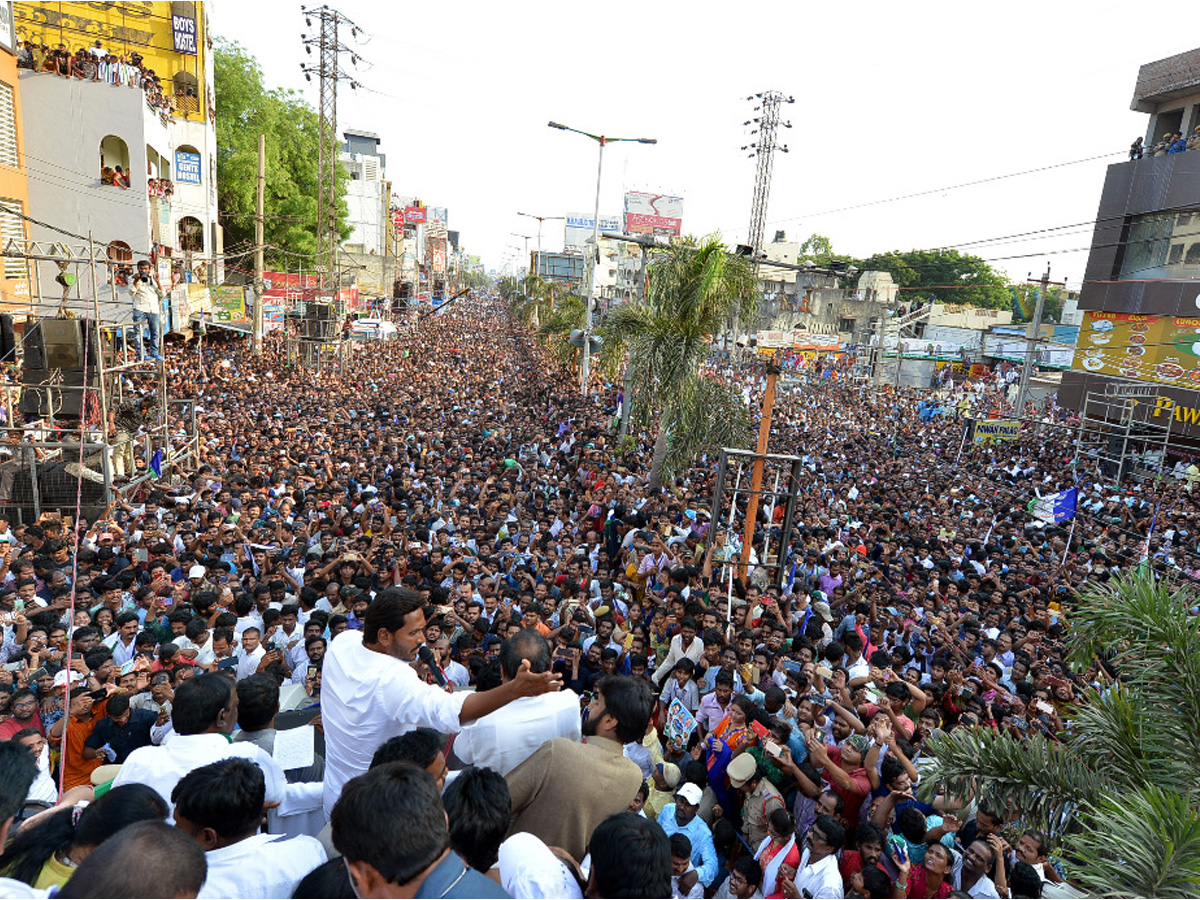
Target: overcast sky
[{"x": 890, "y": 99}]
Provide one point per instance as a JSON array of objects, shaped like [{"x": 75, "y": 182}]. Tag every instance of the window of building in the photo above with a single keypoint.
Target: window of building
[
  {"x": 187, "y": 92},
  {"x": 12, "y": 228},
  {"x": 1155, "y": 246},
  {"x": 114, "y": 161},
  {"x": 191, "y": 235},
  {"x": 846, "y": 326},
  {"x": 8, "y": 128}
]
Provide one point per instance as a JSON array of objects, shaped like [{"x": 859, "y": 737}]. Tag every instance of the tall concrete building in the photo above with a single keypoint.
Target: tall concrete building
[{"x": 1139, "y": 338}]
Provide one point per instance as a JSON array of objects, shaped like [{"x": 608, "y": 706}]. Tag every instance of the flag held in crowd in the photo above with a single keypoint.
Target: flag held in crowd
[{"x": 1055, "y": 507}]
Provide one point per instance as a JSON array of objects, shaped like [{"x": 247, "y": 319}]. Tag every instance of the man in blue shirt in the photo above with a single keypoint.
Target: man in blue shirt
[
  {"x": 680, "y": 818},
  {"x": 390, "y": 827}
]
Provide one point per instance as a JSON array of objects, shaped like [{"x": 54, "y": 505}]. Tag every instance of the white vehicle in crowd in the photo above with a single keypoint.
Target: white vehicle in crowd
[{"x": 373, "y": 330}]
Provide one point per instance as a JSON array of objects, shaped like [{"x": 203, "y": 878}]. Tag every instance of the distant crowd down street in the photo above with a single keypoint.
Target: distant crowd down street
[{"x": 417, "y": 626}]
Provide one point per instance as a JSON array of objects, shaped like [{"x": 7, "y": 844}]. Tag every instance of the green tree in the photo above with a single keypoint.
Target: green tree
[
  {"x": 946, "y": 276},
  {"x": 1025, "y": 296},
  {"x": 696, "y": 286},
  {"x": 818, "y": 249},
  {"x": 245, "y": 109},
  {"x": 1120, "y": 792}
]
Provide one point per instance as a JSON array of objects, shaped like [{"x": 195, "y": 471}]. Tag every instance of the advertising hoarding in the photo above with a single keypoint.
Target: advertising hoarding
[
  {"x": 416, "y": 215},
  {"x": 579, "y": 228},
  {"x": 228, "y": 303},
  {"x": 653, "y": 213}
]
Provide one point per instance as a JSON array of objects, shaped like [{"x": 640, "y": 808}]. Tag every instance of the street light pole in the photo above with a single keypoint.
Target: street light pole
[
  {"x": 540, "y": 220},
  {"x": 586, "y": 357}
]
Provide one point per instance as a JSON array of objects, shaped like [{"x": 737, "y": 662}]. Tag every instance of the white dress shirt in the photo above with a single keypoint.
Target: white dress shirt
[
  {"x": 694, "y": 652},
  {"x": 261, "y": 866},
  {"x": 506, "y": 738},
  {"x": 368, "y": 697},
  {"x": 120, "y": 653},
  {"x": 162, "y": 767},
  {"x": 457, "y": 674},
  {"x": 248, "y": 662},
  {"x": 822, "y": 880}
]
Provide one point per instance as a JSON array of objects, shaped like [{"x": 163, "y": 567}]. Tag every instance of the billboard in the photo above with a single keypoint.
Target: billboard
[
  {"x": 416, "y": 215},
  {"x": 228, "y": 303},
  {"x": 1159, "y": 349},
  {"x": 579, "y": 228},
  {"x": 653, "y": 213},
  {"x": 438, "y": 215},
  {"x": 435, "y": 252}
]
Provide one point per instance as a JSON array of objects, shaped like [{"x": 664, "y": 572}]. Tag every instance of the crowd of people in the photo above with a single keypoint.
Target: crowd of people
[
  {"x": 1171, "y": 142},
  {"x": 417, "y": 627},
  {"x": 96, "y": 63}
]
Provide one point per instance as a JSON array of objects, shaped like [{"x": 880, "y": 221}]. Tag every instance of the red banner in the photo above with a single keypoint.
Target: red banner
[{"x": 415, "y": 215}]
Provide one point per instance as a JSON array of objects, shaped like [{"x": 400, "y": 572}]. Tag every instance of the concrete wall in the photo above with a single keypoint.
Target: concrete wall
[
  {"x": 969, "y": 338},
  {"x": 64, "y": 174},
  {"x": 14, "y": 291},
  {"x": 952, "y": 316}
]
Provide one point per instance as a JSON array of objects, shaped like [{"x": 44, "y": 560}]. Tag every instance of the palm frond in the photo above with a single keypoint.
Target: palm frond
[
  {"x": 1138, "y": 843},
  {"x": 1041, "y": 778}
]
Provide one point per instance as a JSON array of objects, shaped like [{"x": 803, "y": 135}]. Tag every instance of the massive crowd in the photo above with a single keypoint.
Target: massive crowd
[{"x": 257, "y": 655}]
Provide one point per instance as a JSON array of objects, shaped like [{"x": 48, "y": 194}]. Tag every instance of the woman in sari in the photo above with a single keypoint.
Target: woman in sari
[
  {"x": 732, "y": 735},
  {"x": 778, "y": 853}
]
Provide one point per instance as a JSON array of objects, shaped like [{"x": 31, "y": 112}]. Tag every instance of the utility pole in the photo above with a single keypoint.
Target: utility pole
[
  {"x": 756, "y": 477},
  {"x": 1032, "y": 335},
  {"x": 540, "y": 220},
  {"x": 763, "y": 147},
  {"x": 258, "y": 246},
  {"x": 329, "y": 73}
]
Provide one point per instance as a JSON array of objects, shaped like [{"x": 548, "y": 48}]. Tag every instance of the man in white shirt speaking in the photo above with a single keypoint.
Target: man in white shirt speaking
[
  {"x": 370, "y": 692},
  {"x": 506, "y": 738}
]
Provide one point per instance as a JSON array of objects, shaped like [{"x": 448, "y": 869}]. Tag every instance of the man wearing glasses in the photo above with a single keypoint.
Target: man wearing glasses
[{"x": 818, "y": 875}]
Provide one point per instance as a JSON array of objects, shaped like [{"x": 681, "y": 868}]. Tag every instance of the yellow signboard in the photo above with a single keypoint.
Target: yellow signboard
[
  {"x": 987, "y": 431},
  {"x": 1159, "y": 349}
]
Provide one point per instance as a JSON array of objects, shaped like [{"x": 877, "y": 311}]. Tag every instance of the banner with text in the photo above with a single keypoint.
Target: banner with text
[{"x": 580, "y": 225}]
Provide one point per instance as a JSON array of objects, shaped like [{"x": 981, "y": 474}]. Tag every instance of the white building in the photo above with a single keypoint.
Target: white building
[
  {"x": 367, "y": 192},
  {"x": 110, "y": 127}
]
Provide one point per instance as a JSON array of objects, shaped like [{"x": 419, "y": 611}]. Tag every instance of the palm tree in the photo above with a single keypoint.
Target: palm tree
[
  {"x": 1120, "y": 790},
  {"x": 696, "y": 286},
  {"x": 569, "y": 314}
]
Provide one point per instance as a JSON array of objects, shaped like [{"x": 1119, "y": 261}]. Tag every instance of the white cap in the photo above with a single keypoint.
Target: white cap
[
  {"x": 197, "y": 572},
  {"x": 691, "y": 793},
  {"x": 60, "y": 679}
]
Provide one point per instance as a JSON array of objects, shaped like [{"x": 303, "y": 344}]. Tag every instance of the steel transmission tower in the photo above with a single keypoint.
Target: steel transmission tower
[
  {"x": 329, "y": 72},
  {"x": 764, "y": 147}
]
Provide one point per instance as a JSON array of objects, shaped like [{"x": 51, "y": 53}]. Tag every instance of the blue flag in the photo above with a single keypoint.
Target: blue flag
[
  {"x": 1055, "y": 507},
  {"x": 156, "y": 463}
]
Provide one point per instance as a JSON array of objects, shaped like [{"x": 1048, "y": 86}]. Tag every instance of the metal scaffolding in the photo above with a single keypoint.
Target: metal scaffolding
[
  {"x": 1124, "y": 432},
  {"x": 53, "y": 455}
]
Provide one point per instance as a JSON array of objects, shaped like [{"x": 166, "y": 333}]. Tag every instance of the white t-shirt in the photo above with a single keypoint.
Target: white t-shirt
[
  {"x": 368, "y": 697},
  {"x": 261, "y": 866}
]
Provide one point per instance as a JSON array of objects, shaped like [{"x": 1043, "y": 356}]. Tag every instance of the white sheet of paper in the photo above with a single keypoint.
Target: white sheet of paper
[{"x": 296, "y": 747}]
